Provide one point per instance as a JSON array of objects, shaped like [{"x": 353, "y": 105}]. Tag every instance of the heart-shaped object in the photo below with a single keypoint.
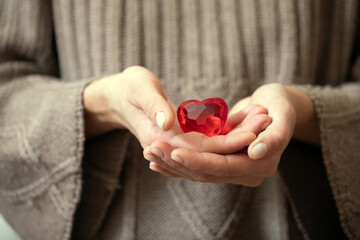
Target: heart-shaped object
[{"x": 207, "y": 116}]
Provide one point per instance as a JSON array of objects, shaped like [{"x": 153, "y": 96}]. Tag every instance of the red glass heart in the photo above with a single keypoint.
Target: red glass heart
[{"x": 207, "y": 117}]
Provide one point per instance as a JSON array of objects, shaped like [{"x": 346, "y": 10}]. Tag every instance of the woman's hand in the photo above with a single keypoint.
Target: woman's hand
[
  {"x": 219, "y": 159},
  {"x": 133, "y": 99},
  {"x": 292, "y": 113}
]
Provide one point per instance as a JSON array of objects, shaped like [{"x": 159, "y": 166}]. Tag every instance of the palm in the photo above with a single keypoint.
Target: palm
[{"x": 147, "y": 131}]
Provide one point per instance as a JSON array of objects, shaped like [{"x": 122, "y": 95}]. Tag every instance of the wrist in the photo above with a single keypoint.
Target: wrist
[
  {"x": 307, "y": 124},
  {"x": 302, "y": 104},
  {"x": 99, "y": 117}
]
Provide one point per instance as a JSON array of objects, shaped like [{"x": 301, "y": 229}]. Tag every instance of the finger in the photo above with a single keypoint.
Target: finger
[
  {"x": 232, "y": 165},
  {"x": 160, "y": 163},
  {"x": 240, "y": 105},
  {"x": 149, "y": 95},
  {"x": 256, "y": 124},
  {"x": 162, "y": 152},
  {"x": 243, "y": 116},
  {"x": 162, "y": 156},
  {"x": 220, "y": 144},
  {"x": 161, "y": 149},
  {"x": 149, "y": 154},
  {"x": 157, "y": 168},
  {"x": 234, "y": 119},
  {"x": 277, "y": 135},
  {"x": 196, "y": 175},
  {"x": 255, "y": 110}
]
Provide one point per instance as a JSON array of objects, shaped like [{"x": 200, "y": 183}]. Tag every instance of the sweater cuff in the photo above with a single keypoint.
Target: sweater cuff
[
  {"x": 42, "y": 127},
  {"x": 338, "y": 111}
]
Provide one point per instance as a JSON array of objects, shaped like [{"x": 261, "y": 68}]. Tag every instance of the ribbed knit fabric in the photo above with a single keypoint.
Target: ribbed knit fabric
[
  {"x": 254, "y": 40},
  {"x": 199, "y": 49}
]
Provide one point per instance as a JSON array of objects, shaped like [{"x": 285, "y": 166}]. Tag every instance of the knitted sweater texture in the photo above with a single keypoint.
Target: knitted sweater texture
[{"x": 50, "y": 50}]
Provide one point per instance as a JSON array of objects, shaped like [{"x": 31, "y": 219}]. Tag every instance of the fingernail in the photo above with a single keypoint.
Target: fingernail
[
  {"x": 160, "y": 119},
  {"x": 177, "y": 159},
  {"x": 150, "y": 158},
  {"x": 152, "y": 167},
  {"x": 146, "y": 151},
  {"x": 259, "y": 150},
  {"x": 157, "y": 152}
]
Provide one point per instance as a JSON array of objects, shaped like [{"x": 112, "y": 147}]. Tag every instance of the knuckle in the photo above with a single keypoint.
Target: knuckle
[
  {"x": 258, "y": 109},
  {"x": 150, "y": 108},
  {"x": 139, "y": 74},
  {"x": 224, "y": 168},
  {"x": 204, "y": 178},
  {"x": 199, "y": 164},
  {"x": 202, "y": 143},
  {"x": 134, "y": 69},
  {"x": 227, "y": 143},
  {"x": 274, "y": 85},
  {"x": 267, "y": 87}
]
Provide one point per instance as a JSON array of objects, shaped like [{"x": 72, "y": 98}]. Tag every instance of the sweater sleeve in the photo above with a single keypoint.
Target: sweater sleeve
[
  {"x": 338, "y": 111},
  {"x": 41, "y": 126}
]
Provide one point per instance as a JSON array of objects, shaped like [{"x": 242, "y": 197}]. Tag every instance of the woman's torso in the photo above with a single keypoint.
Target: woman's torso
[
  {"x": 200, "y": 49},
  {"x": 204, "y": 48}
]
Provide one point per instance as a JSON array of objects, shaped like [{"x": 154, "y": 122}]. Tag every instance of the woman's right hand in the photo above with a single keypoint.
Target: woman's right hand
[{"x": 133, "y": 99}]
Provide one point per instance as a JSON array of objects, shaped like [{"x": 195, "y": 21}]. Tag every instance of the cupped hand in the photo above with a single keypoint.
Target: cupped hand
[
  {"x": 293, "y": 116},
  {"x": 133, "y": 99},
  {"x": 219, "y": 159}
]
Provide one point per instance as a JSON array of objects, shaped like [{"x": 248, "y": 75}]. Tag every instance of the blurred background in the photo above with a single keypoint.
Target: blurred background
[{"x": 6, "y": 232}]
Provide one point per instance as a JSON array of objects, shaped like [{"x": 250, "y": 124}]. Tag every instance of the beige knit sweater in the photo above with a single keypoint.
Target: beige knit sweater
[{"x": 198, "y": 48}]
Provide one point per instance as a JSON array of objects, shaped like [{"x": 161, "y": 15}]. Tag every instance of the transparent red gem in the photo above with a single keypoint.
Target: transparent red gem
[{"x": 207, "y": 116}]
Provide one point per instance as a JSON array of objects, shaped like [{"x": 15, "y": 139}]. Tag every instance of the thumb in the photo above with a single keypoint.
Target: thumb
[
  {"x": 274, "y": 139},
  {"x": 151, "y": 98}
]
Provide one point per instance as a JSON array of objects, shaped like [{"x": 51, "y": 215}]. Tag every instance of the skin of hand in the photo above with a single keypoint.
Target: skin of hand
[
  {"x": 133, "y": 99},
  {"x": 293, "y": 116},
  {"x": 208, "y": 158}
]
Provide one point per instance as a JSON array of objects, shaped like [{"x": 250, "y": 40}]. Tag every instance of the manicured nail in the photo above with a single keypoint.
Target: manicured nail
[
  {"x": 152, "y": 167},
  {"x": 160, "y": 119},
  {"x": 177, "y": 159},
  {"x": 150, "y": 158},
  {"x": 259, "y": 150},
  {"x": 158, "y": 152},
  {"x": 146, "y": 151}
]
